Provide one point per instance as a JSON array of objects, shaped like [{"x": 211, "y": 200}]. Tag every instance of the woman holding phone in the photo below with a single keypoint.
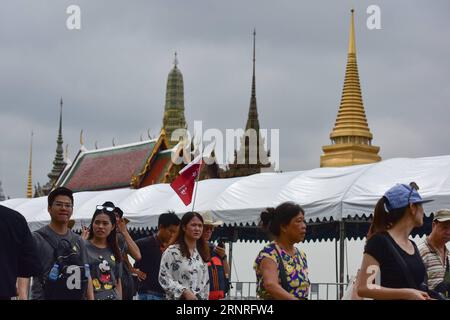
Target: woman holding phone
[{"x": 218, "y": 267}]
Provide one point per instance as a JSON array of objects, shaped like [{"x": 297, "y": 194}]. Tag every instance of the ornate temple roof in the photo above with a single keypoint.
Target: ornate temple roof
[{"x": 116, "y": 167}]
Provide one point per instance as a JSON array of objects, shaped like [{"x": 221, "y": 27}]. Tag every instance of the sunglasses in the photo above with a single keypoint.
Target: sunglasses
[
  {"x": 109, "y": 209},
  {"x": 413, "y": 186}
]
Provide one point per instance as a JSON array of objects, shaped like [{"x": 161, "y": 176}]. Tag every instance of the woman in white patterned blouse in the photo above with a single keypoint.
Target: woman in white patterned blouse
[{"x": 183, "y": 273}]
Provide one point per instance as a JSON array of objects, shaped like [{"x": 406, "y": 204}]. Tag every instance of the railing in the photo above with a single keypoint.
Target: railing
[
  {"x": 242, "y": 291},
  {"x": 317, "y": 291},
  {"x": 316, "y": 294}
]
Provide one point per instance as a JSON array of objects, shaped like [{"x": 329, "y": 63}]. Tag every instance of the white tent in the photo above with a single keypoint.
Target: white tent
[{"x": 324, "y": 193}]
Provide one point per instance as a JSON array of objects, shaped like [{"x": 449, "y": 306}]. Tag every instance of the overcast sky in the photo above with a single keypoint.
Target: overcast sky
[{"x": 112, "y": 74}]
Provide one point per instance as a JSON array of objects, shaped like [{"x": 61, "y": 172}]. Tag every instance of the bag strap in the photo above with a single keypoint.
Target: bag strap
[
  {"x": 53, "y": 242},
  {"x": 281, "y": 270},
  {"x": 401, "y": 262},
  {"x": 49, "y": 240}
]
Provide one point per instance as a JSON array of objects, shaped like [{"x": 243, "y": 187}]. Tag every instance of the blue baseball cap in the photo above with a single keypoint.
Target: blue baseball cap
[{"x": 401, "y": 195}]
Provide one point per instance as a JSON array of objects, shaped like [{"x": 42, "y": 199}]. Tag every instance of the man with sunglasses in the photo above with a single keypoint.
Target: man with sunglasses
[{"x": 62, "y": 255}]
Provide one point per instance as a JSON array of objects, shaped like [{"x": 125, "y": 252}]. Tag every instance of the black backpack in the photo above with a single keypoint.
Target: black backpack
[{"x": 66, "y": 279}]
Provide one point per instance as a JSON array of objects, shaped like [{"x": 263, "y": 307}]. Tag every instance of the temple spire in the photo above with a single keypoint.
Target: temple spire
[
  {"x": 351, "y": 40},
  {"x": 30, "y": 172},
  {"x": 351, "y": 139},
  {"x": 254, "y": 62},
  {"x": 174, "y": 107},
  {"x": 60, "y": 121},
  {"x": 175, "y": 60},
  {"x": 252, "y": 121},
  {"x": 58, "y": 162},
  {"x": 252, "y": 156}
]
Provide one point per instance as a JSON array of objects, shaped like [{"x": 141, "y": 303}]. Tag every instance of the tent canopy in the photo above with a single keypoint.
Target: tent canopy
[{"x": 326, "y": 194}]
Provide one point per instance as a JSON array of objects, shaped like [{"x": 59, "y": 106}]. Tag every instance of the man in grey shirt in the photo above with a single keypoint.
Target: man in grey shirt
[{"x": 62, "y": 255}]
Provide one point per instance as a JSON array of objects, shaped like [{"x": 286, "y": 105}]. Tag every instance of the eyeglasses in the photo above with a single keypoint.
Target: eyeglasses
[
  {"x": 413, "y": 186},
  {"x": 109, "y": 209},
  {"x": 63, "y": 205}
]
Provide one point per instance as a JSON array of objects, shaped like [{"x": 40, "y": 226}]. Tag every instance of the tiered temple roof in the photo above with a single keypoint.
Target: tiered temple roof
[{"x": 133, "y": 165}]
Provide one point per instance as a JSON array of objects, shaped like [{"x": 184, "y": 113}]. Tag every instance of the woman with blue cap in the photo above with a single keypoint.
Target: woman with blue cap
[{"x": 390, "y": 252}]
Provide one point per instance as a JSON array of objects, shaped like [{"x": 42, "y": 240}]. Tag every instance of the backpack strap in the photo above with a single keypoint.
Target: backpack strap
[
  {"x": 281, "y": 269},
  {"x": 54, "y": 243},
  {"x": 401, "y": 262},
  {"x": 47, "y": 238}
]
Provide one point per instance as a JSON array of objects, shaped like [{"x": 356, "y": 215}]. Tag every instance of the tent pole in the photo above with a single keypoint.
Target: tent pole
[
  {"x": 336, "y": 264},
  {"x": 230, "y": 258},
  {"x": 341, "y": 256}
]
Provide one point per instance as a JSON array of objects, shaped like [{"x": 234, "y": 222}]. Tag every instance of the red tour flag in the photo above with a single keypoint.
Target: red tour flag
[{"x": 184, "y": 184}]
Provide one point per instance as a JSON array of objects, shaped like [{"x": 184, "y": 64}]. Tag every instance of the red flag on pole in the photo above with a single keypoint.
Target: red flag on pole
[{"x": 184, "y": 184}]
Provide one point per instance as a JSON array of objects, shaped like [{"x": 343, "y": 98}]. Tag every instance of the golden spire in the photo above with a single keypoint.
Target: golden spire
[
  {"x": 30, "y": 174},
  {"x": 351, "y": 40},
  {"x": 351, "y": 137},
  {"x": 351, "y": 119}
]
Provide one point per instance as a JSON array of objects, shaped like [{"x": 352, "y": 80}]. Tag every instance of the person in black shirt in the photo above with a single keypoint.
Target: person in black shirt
[
  {"x": 151, "y": 249},
  {"x": 389, "y": 250},
  {"x": 18, "y": 255},
  {"x": 218, "y": 267}
]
